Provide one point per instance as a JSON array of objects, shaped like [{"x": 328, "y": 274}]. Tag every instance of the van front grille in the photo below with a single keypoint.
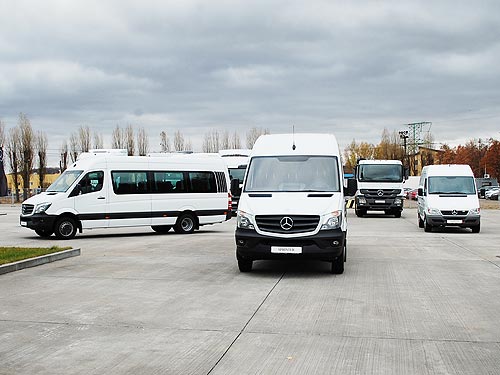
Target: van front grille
[
  {"x": 287, "y": 223},
  {"x": 27, "y": 209},
  {"x": 454, "y": 213}
]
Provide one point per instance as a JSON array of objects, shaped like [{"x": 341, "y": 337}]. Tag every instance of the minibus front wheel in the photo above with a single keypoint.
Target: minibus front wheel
[{"x": 65, "y": 228}]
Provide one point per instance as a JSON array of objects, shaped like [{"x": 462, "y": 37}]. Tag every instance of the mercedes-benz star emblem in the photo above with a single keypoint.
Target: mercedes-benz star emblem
[
  {"x": 286, "y": 223},
  {"x": 453, "y": 212},
  {"x": 380, "y": 193}
]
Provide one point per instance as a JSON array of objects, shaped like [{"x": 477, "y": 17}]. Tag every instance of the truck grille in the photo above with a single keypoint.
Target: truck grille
[
  {"x": 27, "y": 209},
  {"x": 278, "y": 223},
  {"x": 380, "y": 193}
]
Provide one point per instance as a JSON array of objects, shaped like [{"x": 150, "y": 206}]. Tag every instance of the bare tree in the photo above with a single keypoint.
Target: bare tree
[
  {"x": 27, "y": 144},
  {"x": 211, "y": 141},
  {"x": 63, "y": 163},
  {"x": 73, "y": 147},
  {"x": 253, "y": 134},
  {"x": 129, "y": 140},
  {"x": 225, "y": 142},
  {"x": 164, "y": 142},
  {"x": 142, "y": 142},
  {"x": 188, "y": 146},
  {"x": 98, "y": 141},
  {"x": 235, "y": 141},
  {"x": 118, "y": 138},
  {"x": 2, "y": 133},
  {"x": 14, "y": 157},
  {"x": 84, "y": 139},
  {"x": 179, "y": 141},
  {"x": 41, "y": 148}
]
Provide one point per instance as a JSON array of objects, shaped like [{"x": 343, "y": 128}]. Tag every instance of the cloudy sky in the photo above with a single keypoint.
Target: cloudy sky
[{"x": 347, "y": 67}]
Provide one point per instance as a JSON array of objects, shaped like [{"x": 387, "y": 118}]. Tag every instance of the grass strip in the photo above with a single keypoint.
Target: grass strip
[{"x": 14, "y": 254}]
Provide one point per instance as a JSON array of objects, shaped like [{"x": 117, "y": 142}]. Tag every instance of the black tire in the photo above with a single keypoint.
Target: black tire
[
  {"x": 43, "y": 233},
  {"x": 65, "y": 228},
  {"x": 338, "y": 263},
  {"x": 185, "y": 224},
  {"x": 476, "y": 228},
  {"x": 162, "y": 229},
  {"x": 360, "y": 213},
  {"x": 427, "y": 226},
  {"x": 397, "y": 214},
  {"x": 245, "y": 265},
  {"x": 420, "y": 221}
]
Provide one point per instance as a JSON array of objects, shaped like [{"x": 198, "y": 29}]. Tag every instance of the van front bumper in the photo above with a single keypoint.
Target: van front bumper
[
  {"x": 454, "y": 221},
  {"x": 38, "y": 222},
  {"x": 326, "y": 245}
]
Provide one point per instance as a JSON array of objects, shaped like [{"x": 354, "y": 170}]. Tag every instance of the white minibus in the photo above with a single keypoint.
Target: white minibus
[
  {"x": 236, "y": 161},
  {"x": 447, "y": 196},
  {"x": 107, "y": 191},
  {"x": 292, "y": 202}
]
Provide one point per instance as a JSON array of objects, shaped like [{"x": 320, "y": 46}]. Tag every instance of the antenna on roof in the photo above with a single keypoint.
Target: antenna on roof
[{"x": 293, "y": 138}]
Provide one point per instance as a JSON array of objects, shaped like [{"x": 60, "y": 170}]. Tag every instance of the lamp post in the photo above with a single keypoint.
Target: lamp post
[{"x": 404, "y": 135}]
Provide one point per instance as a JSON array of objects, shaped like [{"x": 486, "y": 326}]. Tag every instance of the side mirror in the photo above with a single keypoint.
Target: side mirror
[
  {"x": 76, "y": 191},
  {"x": 352, "y": 187},
  {"x": 420, "y": 192},
  {"x": 235, "y": 187}
]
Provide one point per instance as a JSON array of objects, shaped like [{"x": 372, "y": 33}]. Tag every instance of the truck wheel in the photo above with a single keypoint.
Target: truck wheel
[
  {"x": 420, "y": 221},
  {"x": 185, "y": 224},
  {"x": 338, "y": 263},
  {"x": 44, "y": 233},
  {"x": 245, "y": 265},
  {"x": 161, "y": 228},
  {"x": 476, "y": 228},
  {"x": 427, "y": 226},
  {"x": 65, "y": 228},
  {"x": 360, "y": 213},
  {"x": 397, "y": 214}
]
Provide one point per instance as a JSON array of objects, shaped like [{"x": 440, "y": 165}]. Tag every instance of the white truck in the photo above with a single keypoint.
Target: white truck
[
  {"x": 292, "y": 203},
  {"x": 379, "y": 187}
]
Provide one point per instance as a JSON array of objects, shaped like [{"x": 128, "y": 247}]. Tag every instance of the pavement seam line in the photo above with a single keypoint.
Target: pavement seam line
[
  {"x": 246, "y": 324},
  {"x": 470, "y": 251}
]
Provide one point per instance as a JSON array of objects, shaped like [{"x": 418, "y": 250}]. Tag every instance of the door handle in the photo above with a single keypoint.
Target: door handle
[{"x": 101, "y": 197}]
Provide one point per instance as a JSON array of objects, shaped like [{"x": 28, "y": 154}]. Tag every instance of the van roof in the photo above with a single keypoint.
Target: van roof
[
  {"x": 305, "y": 144},
  {"x": 371, "y": 161},
  {"x": 448, "y": 170}
]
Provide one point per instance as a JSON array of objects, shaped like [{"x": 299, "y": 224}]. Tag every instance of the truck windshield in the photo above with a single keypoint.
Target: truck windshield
[
  {"x": 293, "y": 173},
  {"x": 64, "y": 181},
  {"x": 452, "y": 185},
  {"x": 237, "y": 173},
  {"x": 380, "y": 173}
]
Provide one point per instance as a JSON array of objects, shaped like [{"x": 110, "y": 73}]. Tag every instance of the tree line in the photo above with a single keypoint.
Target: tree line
[{"x": 26, "y": 150}]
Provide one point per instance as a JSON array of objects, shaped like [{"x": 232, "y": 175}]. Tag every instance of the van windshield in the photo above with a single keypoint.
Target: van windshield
[
  {"x": 64, "y": 181},
  {"x": 380, "y": 173},
  {"x": 293, "y": 173},
  {"x": 452, "y": 185},
  {"x": 237, "y": 173}
]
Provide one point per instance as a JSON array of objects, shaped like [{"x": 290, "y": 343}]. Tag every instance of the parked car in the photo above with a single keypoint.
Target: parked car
[
  {"x": 492, "y": 193},
  {"x": 412, "y": 194},
  {"x": 484, "y": 189}
]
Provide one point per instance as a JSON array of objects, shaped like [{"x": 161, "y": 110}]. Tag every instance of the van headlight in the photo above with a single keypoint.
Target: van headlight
[
  {"x": 475, "y": 211},
  {"x": 41, "y": 208},
  {"x": 244, "y": 220},
  {"x": 433, "y": 211},
  {"x": 332, "y": 221}
]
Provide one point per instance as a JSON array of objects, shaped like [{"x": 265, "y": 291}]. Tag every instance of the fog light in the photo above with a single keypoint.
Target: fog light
[
  {"x": 335, "y": 243},
  {"x": 240, "y": 242}
]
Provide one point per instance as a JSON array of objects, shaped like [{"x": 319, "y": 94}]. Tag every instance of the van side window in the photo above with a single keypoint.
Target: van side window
[
  {"x": 92, "y": 182},
  {"x": 168, "y": 182},
  {"x": 202, "y": 182},
  {"x": 130, "y": 182}
]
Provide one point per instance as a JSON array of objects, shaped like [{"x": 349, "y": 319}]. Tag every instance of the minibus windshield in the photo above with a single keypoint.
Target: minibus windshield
[
  {"x": 380, "y": 173},
  {"x": 293, "y": 173},
  {"x": 64, "y": 181},
  {"x": 452, "y": 185}
]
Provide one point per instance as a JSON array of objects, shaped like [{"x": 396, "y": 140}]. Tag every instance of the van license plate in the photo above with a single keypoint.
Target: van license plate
[
  {"x": 286, "y": 250},
  {"x": 454, "y": 221},
  {"x": 380, "y": 201}
]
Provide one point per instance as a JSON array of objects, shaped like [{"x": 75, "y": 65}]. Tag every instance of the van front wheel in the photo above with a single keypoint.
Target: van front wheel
[
  {"x": 476, "y": 228},
  {"x": 44, "y": 233},
  {"x": 427, "y": 226},
  {"x": 185, "y": 224},
  {"x": 65, "y": 228},
  {"x": 338, "y": 263}
]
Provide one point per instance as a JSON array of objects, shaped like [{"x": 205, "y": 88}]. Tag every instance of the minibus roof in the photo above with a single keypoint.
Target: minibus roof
[{"x": 448, "y": 170}]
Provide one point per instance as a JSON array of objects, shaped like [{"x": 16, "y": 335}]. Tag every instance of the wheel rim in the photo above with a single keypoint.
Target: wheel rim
[
  {"x": 187, "y": 224},
  {"x": 66, "y": 228}
]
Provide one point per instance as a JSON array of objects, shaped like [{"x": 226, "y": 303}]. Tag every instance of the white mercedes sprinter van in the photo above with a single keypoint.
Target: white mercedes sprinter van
[
  {"x": 292, "y": 203},
  {"x": 106, "y": 191},
  {"x": 447, "y": 196}
]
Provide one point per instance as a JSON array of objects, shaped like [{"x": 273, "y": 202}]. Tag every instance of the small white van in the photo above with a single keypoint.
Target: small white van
[
  {"x": 107, "y": 191},
  {"x": 447, "y": 196},
  {"x": 292, "y": 202}
]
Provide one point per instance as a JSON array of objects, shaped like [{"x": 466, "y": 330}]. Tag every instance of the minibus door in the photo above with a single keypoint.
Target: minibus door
[{"x": 90, "y": 197}]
